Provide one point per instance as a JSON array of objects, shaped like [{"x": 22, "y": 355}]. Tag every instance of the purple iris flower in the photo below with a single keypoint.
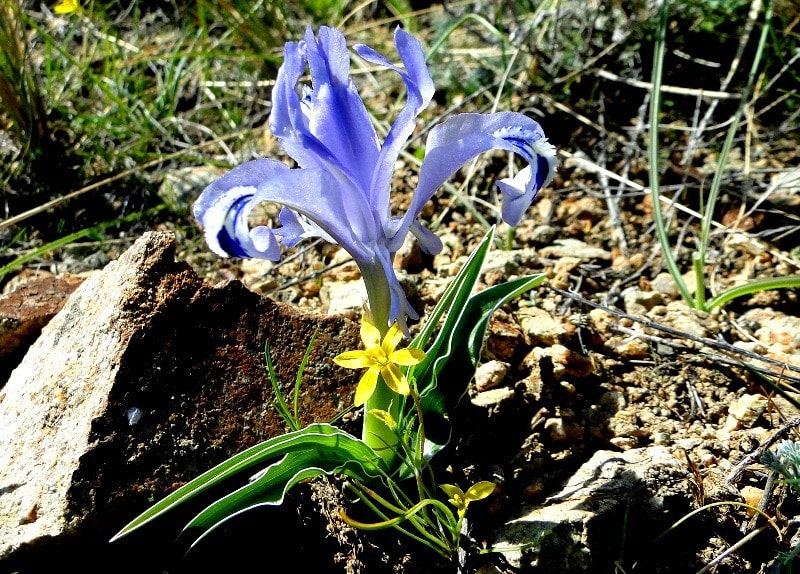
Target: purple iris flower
[{"x": 340, "y": 189}]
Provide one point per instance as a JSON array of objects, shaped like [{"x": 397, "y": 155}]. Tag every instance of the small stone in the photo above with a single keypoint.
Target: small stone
[
  {"x": 492, "y": 397},
  {"x": 752, "y": 496},
  {"x": 613, "y": 401},
  {"x": 687, "y": 320},
  {"x": 630, "y": 348},
  {"x": 345, "y": 298},
  {"x": 624, "y": 442},
  {"x": 555, "y": 426},
  {"x": 665, "y": 285},
  {"x": 505, "y": 339},
  {"x": 744, "y": 412},
  {"x": 540, "y": 327},
  {"x": 660, "y": 438},
  {"x": 773, "y": 327},
  {"x": 502, "y": 264},
  {"x": 560, "y": 277},
  {"x": 638, "y": 302},
  {"x": 575, "y": 248},
  {"x": 490, "y": 374}
]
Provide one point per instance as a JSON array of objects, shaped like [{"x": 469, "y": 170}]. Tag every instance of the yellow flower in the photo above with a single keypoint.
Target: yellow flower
[
  {"x": 66, "y": 6},
  {"x": 380, "y": 358},
  {"x": 461, "y": 500}
]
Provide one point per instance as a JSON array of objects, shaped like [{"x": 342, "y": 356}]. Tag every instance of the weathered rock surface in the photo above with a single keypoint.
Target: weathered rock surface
[
  {"x": 25, "y": 310},
  {"x": 597, "y": 514},
  {"x": 146, "y": 377}
]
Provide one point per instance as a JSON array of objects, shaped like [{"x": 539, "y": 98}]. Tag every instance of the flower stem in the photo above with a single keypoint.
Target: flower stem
[{"x": 376, "y": 433}]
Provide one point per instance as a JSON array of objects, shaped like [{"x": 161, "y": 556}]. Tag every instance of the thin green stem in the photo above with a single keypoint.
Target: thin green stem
[
  {"x": 716, "y": 183},
  {"x": 789, "y": 282},
  {"x": 698, "y": 265},
  {"x": 426, "y": 537},
  {"x": 655, "y": 109}
]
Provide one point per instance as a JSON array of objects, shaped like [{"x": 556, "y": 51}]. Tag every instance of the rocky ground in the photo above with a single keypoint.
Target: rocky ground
[{"x": 606, "y": 356}]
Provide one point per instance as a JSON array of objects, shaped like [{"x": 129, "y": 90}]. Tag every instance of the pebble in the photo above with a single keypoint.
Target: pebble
[
  {"x": 558, "y": 431},
  {"x": 490, "y": 374},
  {"x": 679, "y": 316},
  {"x": 574, "y": 248},
  {"x": 744, "y": 412},
  {"x": 637, "y": 302},
  {"x": 540, "y": 327},
  {"x": 664, "y": 284},
  {"x": 492, "y": 397},
  {"x": 343, "y": 297}
]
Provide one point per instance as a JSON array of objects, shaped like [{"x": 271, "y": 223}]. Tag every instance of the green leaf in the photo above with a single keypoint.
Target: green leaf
[
  {"x": 321, "y": 447},
  {"x": 754, "y": 286},
  {"x": 455, "y": 297},
  {"x": 269, "y": 487},
  {"x": 459, "y": 353},
  {"x": 443, "y": 376}
]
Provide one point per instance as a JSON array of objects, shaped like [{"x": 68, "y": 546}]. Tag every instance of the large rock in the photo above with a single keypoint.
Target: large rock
[
  {"x": 145, "y": 378},
  {"x": 27, "y": 308},
  {"x": 615, "y": 504}
]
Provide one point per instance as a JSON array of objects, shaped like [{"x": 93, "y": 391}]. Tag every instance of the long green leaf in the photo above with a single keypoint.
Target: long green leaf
[
  {"x": 446, "y": 382},
  {"x": 454, "y": 298},
  {"x": 451, "y": 358},
  {"x": 315, "y": 438},
  {"x": 754, "y": 286},
  {"x": 270, "y": 486}
]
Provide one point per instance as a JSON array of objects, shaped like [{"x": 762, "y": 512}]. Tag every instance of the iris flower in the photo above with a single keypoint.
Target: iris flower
[
  {"x": 340, "y": 189},
  {"x": 380, "y": 358}
]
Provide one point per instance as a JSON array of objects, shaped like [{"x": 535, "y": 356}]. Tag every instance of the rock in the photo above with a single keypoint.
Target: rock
[
  {"x": 744, "y": 412},
  {"x": 145, "y": 378},
  {"x": 505, "y": 338},
  {"x": 501, "y": 264},
  {"x": 28, "y": 308},
  {"x": 556, "y": 362},
  {"x": 577, "y": 530},
  {"x": 773, "y": 327},
  {"x": 493, "y": 397},
  {"x": 637, "y": 302},
  {"x": 679, "y": 316},
  {"x": 344, "y": 297},
  {"x": 490, "y": 374},
  {"x": 665, "y": 284},
  {"x": 575, "y": 248},
  {"x": 561, "y": 274},
  {"x": 540, "y": 327}
]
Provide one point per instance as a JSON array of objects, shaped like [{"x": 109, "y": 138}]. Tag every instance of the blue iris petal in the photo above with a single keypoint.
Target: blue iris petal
[{"x": 340, "y": 191}]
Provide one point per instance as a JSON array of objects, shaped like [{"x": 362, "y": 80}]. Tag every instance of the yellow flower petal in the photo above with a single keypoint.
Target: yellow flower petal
[
  {"x": 455, "y": 494},
  {"x": 370, "y": 335},
  {"x": 392, "y": 339},
  {"x": 395, "y": 379},
  {"x": 66, "y": 6},
  {"x": 479, "y": 490},
  {"x": 407, "y": 357},
  {"x": 354, "y": 359},
  {"x": 366, "y": 386}
]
